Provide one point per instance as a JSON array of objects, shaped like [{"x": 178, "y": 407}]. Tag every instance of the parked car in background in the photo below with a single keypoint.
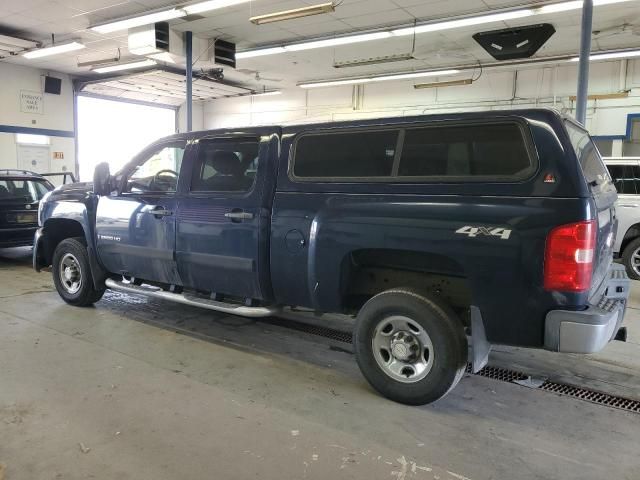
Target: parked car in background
[
  {"x": 625, "y": 172},
  {"x": 499, "y": 225},
  {"x": 20, "y": 195}
]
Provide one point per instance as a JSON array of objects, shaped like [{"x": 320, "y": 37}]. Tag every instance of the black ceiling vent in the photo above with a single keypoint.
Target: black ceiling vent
[
  {"x": 224, "y": 53},
  {"x": 512, "y": 43}
]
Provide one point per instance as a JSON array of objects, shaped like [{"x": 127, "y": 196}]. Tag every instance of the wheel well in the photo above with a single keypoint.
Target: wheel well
[
  {"x": 632, "y": 233},
  {"x": 56, "y": 230},
  {"x": 368, "y": 272}
]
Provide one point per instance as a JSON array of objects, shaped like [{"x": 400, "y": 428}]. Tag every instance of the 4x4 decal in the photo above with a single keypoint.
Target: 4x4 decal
[{"x": 503, "y": 233}]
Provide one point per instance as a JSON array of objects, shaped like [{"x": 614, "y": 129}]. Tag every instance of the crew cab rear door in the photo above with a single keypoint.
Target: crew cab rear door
[{"x": 224, "y": 217}]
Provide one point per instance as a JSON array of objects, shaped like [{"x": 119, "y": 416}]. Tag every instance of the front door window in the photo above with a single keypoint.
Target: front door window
[{"x": 158, "y": 173}]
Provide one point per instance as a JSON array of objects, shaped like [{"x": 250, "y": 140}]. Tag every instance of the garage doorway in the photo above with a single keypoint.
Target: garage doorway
[{"x": 114, "y": 131}]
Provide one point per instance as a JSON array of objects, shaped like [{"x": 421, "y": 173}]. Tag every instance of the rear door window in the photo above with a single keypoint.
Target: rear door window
[
  {"x": 22, "y": 190},
  {"x": 226, "y": 165},
  {"x": 623, "y": 180}
]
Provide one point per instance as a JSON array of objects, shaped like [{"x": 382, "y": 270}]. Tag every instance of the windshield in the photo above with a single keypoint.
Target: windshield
[{"x": 28, "y": 191}]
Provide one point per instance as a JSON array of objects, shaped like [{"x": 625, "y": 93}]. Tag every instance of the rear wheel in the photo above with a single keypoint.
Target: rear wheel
[
  {"x": 410, "y": 347},
  {"x": 72, "y": 273},
  {"x": 631, "y": 259}
]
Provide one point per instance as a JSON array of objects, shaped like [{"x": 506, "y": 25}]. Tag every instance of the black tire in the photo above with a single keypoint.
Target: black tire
[
  {"x": 445, "y": 332},
  {"x": 627, "y": 258},
  {"x": 74, "y": 251}
]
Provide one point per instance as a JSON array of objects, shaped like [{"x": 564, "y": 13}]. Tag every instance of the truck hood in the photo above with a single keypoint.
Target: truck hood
[{"x": 79, "y": 191}]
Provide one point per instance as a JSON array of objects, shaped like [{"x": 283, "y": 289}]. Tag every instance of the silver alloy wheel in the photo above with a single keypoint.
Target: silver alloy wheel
[
  {"x": 402, "y": 349},
  {"x": 70, "y": 273},
  {"x": 635, "y": 261}
]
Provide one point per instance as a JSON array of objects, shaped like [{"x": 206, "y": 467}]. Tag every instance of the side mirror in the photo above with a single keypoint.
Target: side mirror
[{"x": 102, "y": 179}]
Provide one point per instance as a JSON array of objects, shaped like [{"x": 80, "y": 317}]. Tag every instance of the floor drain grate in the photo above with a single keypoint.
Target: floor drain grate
[
  {"x": 326, "y": 332},
  {"x": 593, "y": 396},
  {"x": 497, "y": 373}
]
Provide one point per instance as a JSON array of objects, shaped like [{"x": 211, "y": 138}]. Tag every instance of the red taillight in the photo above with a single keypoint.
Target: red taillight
[{"x": 568, "y": 257}]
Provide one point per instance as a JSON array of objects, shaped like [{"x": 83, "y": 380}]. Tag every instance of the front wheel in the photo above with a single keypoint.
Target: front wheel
[
  {"x": 72, "y": 274},
  {"x": 410, "y": 347}
]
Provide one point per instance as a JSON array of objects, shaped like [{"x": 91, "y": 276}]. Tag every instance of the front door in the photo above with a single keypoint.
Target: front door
[
  {"x": 223, "y": 219},
  {"x": 135, "y": 228}
]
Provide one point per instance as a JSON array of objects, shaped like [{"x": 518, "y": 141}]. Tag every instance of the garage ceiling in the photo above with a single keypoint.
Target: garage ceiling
[{"x": 69, "y": 19}]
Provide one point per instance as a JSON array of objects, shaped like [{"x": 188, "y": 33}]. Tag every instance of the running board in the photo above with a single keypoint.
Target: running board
[{"x": 187, "y": 299}]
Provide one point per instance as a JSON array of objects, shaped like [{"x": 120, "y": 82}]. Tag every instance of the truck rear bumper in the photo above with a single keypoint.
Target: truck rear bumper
[{"x": 589, "y": 330}]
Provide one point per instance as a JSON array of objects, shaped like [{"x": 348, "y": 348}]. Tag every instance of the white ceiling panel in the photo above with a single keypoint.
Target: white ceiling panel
[{"x": 70, "y": 19}]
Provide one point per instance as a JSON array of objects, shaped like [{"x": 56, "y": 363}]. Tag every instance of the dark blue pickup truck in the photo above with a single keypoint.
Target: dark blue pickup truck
[{"x": 443, "y": 235}]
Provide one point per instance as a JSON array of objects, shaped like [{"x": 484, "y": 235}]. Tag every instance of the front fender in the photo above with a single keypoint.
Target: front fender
[{"x": 67, "y": 219}]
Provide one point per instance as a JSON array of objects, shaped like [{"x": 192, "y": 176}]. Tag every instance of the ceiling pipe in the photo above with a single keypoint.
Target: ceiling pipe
[
  {"x": 583, "y": 65},
  {"x": 189, "y": 51}
]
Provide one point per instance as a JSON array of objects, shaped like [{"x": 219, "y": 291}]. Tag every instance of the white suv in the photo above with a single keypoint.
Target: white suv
[{"x": 625, "y": 172}]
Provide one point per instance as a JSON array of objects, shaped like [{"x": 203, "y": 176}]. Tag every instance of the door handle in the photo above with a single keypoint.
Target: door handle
[
  {"x": 239, "y": 215},
  {"x": 160, "y": 212},
  {"x": 628, "y": 205}
]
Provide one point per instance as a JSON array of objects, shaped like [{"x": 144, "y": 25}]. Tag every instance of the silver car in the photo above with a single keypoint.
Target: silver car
[{"x": 625, "y": 172}]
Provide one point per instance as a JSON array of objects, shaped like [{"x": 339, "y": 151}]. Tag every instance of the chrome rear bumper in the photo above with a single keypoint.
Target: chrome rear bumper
[{"x": 589, "y": 330}]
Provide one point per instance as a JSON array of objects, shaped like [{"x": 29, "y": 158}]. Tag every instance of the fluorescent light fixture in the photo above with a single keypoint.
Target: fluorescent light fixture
[
  {"x": 293, "y": 13},
  {"x": 164, "y": 15},
  {"x": 211, "y": 5},
  {"x": 329, "y": 42},
  {"x": 54, "y": 50},
  {"x": 332, "y": 42},
  {"x": 260, "y": 52},
  {"x": 428, "y": 27},
  {"x": 610, "y": 56},
  {"x": 450, "y": 83},
  {"x": 15, "y": 44},
  {"x": 125, "y": 66},
  {"x": 139, "y": 21},
  {"x": 464, "y": 22},
  {"x": 266, "y": 94},
  {"x": 98, "y": 62},
  {"x": 381, "y": 78},
  {"x": 559, "y": 7},
  {"x": 374, "y": 60}
]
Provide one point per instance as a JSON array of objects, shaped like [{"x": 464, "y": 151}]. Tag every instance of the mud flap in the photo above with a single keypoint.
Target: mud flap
[{"x": 480, "y": 347}]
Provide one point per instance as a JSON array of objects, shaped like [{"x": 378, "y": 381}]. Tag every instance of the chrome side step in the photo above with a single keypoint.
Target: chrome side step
[{"x": 187, "y": 299}]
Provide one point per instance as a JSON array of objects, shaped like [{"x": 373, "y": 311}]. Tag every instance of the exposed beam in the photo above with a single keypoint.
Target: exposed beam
[{"x": 583, "y": 65}]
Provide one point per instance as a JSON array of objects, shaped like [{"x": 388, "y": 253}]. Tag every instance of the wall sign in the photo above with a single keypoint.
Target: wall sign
[
  {"x": 31, "y": 102},
  {"x": 58, "y": 155}
]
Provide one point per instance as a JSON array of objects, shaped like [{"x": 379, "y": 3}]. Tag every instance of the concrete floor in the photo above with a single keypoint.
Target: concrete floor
[{"x": 132, "y": 389}]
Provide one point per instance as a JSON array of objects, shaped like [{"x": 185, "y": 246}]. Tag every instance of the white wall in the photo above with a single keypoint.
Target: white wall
[
  {"x": 495, "y": 89},
  {"x": 197, "y": 117},
  {"x": 57, "y": 114}
]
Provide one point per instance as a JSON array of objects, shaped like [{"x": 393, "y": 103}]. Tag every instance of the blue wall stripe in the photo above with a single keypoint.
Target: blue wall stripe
[
  {"x": 609, "y": 137},
  {"x": 627, "y": 136},
  {"x": 37, "y": 131}
]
